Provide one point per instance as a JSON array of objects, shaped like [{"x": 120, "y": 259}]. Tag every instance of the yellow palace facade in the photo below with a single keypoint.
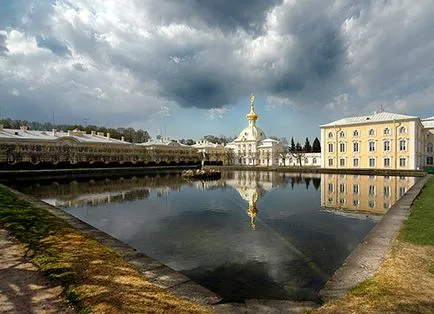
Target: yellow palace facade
[{"x": 379, "y": 141}]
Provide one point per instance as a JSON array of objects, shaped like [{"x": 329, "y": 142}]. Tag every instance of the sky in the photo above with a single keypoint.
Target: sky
[{"x": 186, "y": 69}]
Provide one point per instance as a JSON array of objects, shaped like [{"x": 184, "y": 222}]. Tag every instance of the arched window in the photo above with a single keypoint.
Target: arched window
[
  {"x": 386, "y": 131},
  {"x": 355, "y": 133},
  {"x": 330, "y": 134},
  {"x": 402, "y": 130},
  {"x": 314, "y": 161},
  {"x": 429, "y": 148},
  {"x": 306, "y": 161},
  {"x": 371, "y": 132},
  {"x": 341, "y": 134}
]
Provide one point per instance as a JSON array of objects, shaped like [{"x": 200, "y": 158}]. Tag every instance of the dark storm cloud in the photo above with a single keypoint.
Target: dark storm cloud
[
  {"x": 53, "y": 44},
  {"x": 228, "y": 15},
  {"x": 319, "y": 56}
]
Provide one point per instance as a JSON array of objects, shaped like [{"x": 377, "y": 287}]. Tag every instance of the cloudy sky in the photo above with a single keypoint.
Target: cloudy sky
[{"x": 187, "y": 68}]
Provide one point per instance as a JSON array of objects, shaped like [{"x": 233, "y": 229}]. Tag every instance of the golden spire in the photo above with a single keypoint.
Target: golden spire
[{"x": 252, "y": 116}]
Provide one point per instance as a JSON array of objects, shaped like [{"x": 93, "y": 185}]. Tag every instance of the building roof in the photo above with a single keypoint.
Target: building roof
[
  {"x": 376, "y": 117},
  {"x": 430, "y": 118},
  {"x": 79, "y": 136},
  {"x": 251, "y": 133},
  {"x": 428, "y": 123},
  {"x": 164, "y": 142}
]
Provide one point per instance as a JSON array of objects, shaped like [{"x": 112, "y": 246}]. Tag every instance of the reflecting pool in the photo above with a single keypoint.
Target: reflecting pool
[{"x": 263, "y": 235}]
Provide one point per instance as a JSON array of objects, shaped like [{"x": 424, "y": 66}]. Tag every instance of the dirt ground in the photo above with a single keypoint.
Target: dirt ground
[{"x": 23, "y": 289}]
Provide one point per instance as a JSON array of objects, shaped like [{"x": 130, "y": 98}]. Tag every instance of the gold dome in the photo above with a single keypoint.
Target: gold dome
[{"x": 252, "y": 116}]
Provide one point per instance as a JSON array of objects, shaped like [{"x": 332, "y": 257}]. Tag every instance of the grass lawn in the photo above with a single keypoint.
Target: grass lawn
[
  {"x": 94, "y": 278},
  {"x": 405, "y": 281}
]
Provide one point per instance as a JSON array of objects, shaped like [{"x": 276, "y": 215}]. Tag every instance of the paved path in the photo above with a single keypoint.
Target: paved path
[{"x": 22, "y": 287}]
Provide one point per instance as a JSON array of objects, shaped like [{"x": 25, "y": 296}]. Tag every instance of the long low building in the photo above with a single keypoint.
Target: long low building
[
  {"x": 379, "y": 141},
  {"x": 20, "y": 147}
]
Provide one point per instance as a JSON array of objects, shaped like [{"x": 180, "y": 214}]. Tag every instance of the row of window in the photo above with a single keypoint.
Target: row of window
[
  {"x": 356, "y": 133},
  {"x": 372, "y": 190},
  {"x": 372, "y": 162},
  {"x": 372, "y": 146}
]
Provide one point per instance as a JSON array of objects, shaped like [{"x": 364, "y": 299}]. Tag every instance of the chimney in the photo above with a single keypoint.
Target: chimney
[
  {"x": 108, "y": 136},
  {"x": 24, "y": 128},
  {"x": 54, "y": 132},
  {"x": 93, "y": 133},
  {"x": 123, "y": 138}
]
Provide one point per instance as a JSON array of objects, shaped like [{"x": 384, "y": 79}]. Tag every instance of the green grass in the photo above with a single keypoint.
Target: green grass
[
  {"x": 419, "y": 228},
  {"x": 31, "y": 226}
]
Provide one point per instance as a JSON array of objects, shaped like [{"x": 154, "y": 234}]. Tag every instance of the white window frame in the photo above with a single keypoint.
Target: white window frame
[
  {"x": 402, "y": 165},
  {"x": 331, "y": 147},
  {"x": 386, "y": 131},
  {"x": 342, "y": 164},
  {"x": 356, "y": 144},
  {"x": 356, "y": 189},
  {"x": 431, "y": 160},
  {"x": 342, "y": 147},
  {"x": 371, "y": 132},
  {"x": 384, "y": 162},
  {"x": 429, "y": 148},
  {"x": 356, "y": 133},
  {"x": 402, "y": 130},
  {"x": 369, "y": 146},
  {"x": 389, "y": 146},
  {"x": 371, "y": 190},
  {"x": 401, "y": 149},
  {"x": 369, "y": 162},
  {"x": 356, "y": 162},
  {"x": 330, "y": 135},
  {"x": 330, "y": 162}
]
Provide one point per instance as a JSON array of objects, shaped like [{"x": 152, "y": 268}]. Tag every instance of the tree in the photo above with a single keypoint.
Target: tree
[
  {"x": 292, "y": 147},
  {"x": 307, "y": 147},
  {"x": 316, "y": 146},
  {"x": 297, "y": 152}
]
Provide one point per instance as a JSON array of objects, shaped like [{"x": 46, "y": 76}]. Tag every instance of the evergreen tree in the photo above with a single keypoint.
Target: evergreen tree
[
  {"x": 307, "y": 147},
  {"x": 292, "y": 147},
  {"x": 298, "y": 147},
  {"x": 316, "y": 146}
]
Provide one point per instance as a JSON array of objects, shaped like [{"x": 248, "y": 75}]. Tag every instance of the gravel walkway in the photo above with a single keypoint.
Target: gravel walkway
[{"x": 23, "y": 289}]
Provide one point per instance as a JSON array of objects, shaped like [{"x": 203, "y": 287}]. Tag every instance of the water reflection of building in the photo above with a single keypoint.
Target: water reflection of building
[
  {"x": 373, "y": 194},
  {"x": 99, "y": 192}
]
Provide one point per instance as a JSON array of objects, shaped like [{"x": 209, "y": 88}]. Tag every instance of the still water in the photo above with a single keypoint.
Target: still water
[{"x": 263, "y": 235}]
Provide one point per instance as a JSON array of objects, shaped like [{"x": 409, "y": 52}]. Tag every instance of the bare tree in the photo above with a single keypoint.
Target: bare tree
[{"x": 297, "y": 153}]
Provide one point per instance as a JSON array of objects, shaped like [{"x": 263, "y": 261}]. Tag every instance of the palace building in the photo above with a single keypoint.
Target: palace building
[
  {"x": 252, "y": 147},
  {"x": 380, "y": 141}
]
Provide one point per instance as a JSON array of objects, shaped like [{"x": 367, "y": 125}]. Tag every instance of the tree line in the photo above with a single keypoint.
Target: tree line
[
  {"x": 130, "y": 134},
  {"x": 306, "y": 148}
]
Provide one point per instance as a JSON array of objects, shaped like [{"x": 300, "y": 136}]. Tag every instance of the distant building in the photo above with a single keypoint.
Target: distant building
[
  {"x": 380, "y": 141},
  {"x": 252, "y": 147},
  {"x": 44, "y": 148}
]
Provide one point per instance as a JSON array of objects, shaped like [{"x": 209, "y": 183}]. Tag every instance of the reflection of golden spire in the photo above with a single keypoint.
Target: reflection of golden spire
[
  {"x": 252, "y": 211},
  {"x": 252, "y": 116}
]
